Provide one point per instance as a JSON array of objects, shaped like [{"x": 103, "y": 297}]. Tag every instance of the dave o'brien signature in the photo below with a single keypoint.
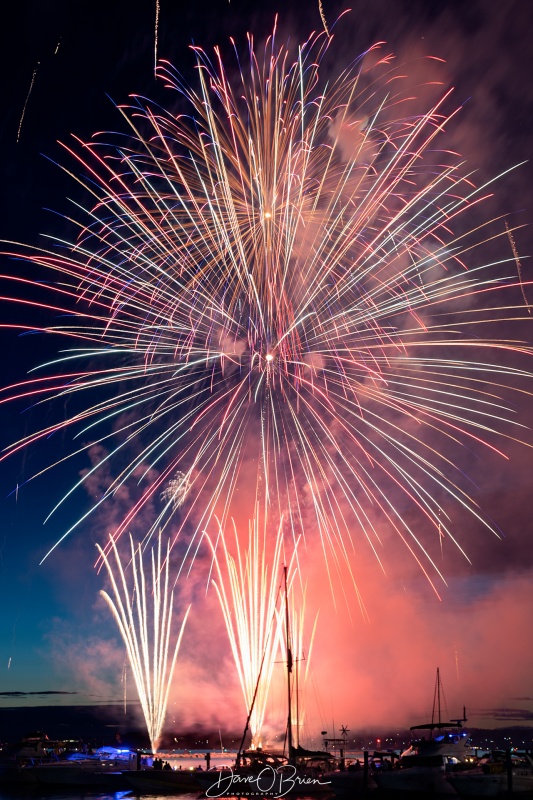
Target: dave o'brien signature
[{"x": 270, "y": 781}]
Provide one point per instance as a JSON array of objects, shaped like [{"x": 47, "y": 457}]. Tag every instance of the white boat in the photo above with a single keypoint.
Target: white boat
[
  {"x": 102, "y": 768},
  {"x": 17, "y": 760},
  {"x": 424, "y": 767},
  {"x": 68, "y": 773},
  {"x": 505, "y": 777}
]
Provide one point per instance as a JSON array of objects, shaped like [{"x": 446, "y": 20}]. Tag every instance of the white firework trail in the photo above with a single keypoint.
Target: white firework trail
[
  {"x": 247, "y": 585},
  {"x": 145, "y": 624}
]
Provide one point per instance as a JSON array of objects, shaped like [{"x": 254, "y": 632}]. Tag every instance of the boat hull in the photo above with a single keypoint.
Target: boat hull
[
  {"x": 162, "y": 781},
  {"x": 75, "y": 775},
  {"x": 348, "y": 783},
  {"x": 415, "y": 780},
  {"x": 486, "y": 785},
  {"x": 20, "y": 776}
]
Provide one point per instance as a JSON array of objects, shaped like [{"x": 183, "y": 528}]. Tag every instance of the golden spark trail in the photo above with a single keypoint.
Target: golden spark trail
[
  {"x": 247, "y": 584},
  {"x": 145, "y": 625},
  {"x": 323, "y": 17},
  {"x": 518, "y": 264},
  {"x": 156, "y": 33},
  {"x": 26, "y": 101}
]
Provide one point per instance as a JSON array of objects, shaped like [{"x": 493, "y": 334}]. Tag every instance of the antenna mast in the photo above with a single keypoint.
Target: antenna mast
[{"x": 289, "y": 668}]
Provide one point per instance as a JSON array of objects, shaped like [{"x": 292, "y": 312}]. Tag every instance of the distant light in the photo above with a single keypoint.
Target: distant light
[
  {"x": 268, "y": 215},
  {"x": 269, "y": 357}
]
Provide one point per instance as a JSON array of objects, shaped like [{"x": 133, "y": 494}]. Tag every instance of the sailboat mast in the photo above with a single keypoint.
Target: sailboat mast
[
  {"x": 289, "y": 668},
  {"x": 436, "y": 703},
  {"x": 297, "y": 690},
  {"x": 438, "y": 692}
]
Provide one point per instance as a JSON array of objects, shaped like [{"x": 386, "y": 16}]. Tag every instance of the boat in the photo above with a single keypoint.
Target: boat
[
  {"x": 18, "y": 758},
  {"x": 502, "y": 775},
  {"x": 68, "y": 773},
  {"x": 425, "y": 766},
  {"x": 269, "y": 774},
  {"x": 103, "y": 768}
]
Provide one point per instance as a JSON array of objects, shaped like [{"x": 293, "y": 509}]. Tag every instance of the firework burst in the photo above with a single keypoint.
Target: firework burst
[{"x": 276, "y": 287}]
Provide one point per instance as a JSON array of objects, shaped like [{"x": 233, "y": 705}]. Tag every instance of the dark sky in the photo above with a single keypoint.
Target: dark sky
[{"x": 64, "y": 66}]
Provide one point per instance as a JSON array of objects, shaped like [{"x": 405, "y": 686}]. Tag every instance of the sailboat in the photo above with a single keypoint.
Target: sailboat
[
  {"x": 503, "y": 774},
  {"x": 262, "y": 773},
  {"x": 424, "y": 766}
]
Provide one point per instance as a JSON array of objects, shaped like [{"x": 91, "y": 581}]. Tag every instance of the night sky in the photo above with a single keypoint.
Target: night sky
[{"x": 65, "y": 65}]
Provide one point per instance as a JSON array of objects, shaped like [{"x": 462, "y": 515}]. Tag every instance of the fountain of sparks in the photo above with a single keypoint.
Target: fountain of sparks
[
  {"x": 247, "y": 583},
  {"x": 144, "y": 617}
]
